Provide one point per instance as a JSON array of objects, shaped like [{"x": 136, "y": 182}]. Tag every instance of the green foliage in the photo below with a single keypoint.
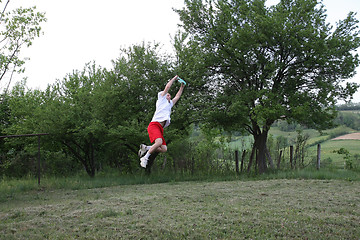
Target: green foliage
[
  {"x": 300, "y": 150},
  {"x": 350, "y": 162},
  {"x": 262, "y": 64},
  {"x": 349, "y": 118},
  {"x": 18, "y": 157},
  {"x": 4, "y": 112},
  {"x": 204, "y": 152},
  {"x": 288, "y": 127}
]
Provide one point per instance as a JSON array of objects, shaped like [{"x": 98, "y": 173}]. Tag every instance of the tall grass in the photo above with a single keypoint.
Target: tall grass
[
  {"x": 12, "y": 188},
  {"x": 312, "y": 173}
]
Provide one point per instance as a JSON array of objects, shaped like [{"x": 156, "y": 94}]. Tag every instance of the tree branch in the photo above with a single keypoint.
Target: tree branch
[{"x": 3, "y": 12}]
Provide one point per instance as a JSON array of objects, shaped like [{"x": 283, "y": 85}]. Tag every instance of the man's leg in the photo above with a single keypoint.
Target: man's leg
[
  {"x": 152, "y": 158},
  {"x": 145, "y": 149},
  {"x": 156, "y": 147}
]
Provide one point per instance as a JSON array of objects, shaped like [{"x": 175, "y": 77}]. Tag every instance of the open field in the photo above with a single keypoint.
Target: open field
[
  {"x": 283, "y": 209},
  {"x": 351, "y": 136}
]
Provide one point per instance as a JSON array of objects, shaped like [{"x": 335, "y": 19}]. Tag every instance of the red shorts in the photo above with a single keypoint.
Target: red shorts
[{"x": 155, "y": 131}]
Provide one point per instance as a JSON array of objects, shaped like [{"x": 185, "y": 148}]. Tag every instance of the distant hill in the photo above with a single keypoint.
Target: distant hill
[{"x": 349, "y": 106}]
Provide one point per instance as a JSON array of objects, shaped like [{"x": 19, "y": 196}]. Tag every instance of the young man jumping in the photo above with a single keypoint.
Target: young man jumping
[{"x": 160, "y": 120}]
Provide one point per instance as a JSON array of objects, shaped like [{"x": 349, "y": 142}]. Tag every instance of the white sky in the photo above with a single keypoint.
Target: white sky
[{"x": 81, "y": 31}]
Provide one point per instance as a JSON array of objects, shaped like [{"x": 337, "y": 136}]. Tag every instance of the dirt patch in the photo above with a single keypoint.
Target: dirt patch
[{"x": 351, "y": 136}]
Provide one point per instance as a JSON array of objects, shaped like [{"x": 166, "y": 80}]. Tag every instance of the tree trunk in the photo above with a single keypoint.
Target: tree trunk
[
  {"x": 260, "y": 144},
  {"x": 85, "y": 156},
  {"x": 89, "y": 156},
  {"x": 237, "y": 161}
]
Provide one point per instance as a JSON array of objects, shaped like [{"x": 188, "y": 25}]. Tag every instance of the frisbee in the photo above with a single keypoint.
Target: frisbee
[{"x": 181, "y": 81}]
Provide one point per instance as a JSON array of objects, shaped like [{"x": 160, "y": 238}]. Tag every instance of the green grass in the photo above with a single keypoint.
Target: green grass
[
  {"x": 311, "y": 173},
  {"x": 12, "y": 189},
  {"x": 253, "y": 209},
  {"x": 328, "y": 147}
]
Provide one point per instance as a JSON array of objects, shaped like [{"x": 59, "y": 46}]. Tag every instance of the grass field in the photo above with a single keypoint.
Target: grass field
[
  {"x": 271, "y": 209},
  {"x": 289, "y": 204}
]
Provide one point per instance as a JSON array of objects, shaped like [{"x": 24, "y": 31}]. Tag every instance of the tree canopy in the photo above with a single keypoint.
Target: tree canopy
[{"x": 262, "y": 63}]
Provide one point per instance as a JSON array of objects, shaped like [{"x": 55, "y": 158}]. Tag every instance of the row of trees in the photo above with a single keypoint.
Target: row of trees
[
  {"x": 247, "y": 66},
  {"x": 347, "y": 118},
  {"x": 96, "y": 116}
]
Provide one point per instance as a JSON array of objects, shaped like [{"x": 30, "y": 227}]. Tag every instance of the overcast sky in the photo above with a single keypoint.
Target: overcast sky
[{"x": 80, "y": 31}]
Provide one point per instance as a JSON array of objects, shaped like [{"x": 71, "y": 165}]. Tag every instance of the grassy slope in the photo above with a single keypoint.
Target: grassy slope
[
  {"x": 327, "y": 145},
  {"x": 284, "y": 209}
]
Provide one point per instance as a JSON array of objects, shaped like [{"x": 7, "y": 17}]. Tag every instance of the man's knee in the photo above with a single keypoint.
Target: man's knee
[
  {"x": 158, "y": 142},
  {"x": 164, "y": 148}
]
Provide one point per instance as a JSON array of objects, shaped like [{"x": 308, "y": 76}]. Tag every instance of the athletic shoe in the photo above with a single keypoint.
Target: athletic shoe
[
  {"x": 142, "y": 150},
  {"x": 143, "y": 162}
]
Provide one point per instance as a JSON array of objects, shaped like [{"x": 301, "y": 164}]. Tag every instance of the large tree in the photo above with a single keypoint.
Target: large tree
[
  {"x": 18, "y": 29},
  {"x": 260, "y": 64}
]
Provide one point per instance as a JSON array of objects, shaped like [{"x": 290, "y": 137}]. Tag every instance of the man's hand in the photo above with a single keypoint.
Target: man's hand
[
  {"x": 168, "y": 85},
  {"x": 178, "y": 94},
  {"x": 175, "y": 78}
]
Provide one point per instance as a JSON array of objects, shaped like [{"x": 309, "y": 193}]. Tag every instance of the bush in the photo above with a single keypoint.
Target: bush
[
  {"x": 350, "y": 162},
  {"x": 17, "y": 164},
  {"x": 58, "y": 164}
]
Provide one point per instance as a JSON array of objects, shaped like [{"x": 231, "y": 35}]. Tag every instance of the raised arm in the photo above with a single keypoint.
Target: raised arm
[
  {"x": 178, "y": 94},
  {"x": 168, "y": 85}
]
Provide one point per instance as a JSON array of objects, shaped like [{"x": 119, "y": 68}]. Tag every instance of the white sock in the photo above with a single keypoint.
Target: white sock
[{"x": 147, "y": 155}]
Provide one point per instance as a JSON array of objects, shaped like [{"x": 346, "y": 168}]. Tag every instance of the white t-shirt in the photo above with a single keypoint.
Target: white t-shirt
[{"x": 163, "y": 110}]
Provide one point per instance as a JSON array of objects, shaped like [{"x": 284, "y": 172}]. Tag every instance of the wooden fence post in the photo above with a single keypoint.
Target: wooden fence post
[
  {"x": 237, "y": 161},
  {"x": 242, "y": 161},
  {"x": 279, "y": 160},
  {"x": 38, "y": 162},
  {"x": 318, "y": 157},
  {"x": 192, "y": 165},
  {"x": 291, "y": 155}
]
